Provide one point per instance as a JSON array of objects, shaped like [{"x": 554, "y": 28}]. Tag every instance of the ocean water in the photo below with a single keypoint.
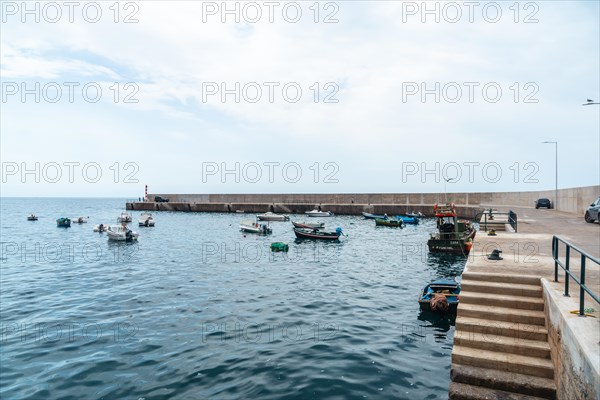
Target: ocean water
[{"x": 198, "y": 310}]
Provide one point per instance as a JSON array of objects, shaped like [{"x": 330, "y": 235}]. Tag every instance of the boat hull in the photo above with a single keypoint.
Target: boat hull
[
  {"x": 453, "y": 246},
  {"x": 119, "y": 237},
  {"x": 63, "y": 222},
  {"x": 306, "y": 225},
  {"x": 272, "y": 217},
  {"x": 388, "y": 222},
  {"x": 319, "y": 213},
  {"x": 450, "y": 289},
  {"x": 372, "y": 216},
  {"x": 315, "y": 235}
]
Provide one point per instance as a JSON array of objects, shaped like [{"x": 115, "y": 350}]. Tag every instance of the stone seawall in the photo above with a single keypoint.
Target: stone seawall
[
  {"x": 574, "y": 200},
  {"x": 297, "y": 208}
]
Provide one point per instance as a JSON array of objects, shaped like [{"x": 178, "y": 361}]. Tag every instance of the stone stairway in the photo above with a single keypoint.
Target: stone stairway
[{"x": 501, "y": 349}]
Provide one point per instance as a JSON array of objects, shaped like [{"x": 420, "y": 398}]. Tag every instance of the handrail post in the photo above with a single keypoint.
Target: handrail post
[
  {"x": 581, "y": 285},
  {"x": 567, "y": 272},
  {"x": 555, "y": 256}
]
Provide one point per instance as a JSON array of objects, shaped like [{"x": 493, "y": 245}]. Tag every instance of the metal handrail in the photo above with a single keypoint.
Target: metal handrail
[
  {"x": 566, "y": 267},
  {"x": 512, "y": 217}
]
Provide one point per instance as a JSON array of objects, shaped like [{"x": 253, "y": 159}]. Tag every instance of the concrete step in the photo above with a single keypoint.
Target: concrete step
[
  {"x": 513, "y": 289},
  {"x": 506, "y": 381},
  {"x": 500, "y": 300},
  {"x": 507, "y": 278},
  {"x": 461, "y": 391},
  {"x": 532, "y": 317},
  {"x": 525, "y": 365},
  {"x": 506, "y": 344},
  {"x": 492, "y": 329}
]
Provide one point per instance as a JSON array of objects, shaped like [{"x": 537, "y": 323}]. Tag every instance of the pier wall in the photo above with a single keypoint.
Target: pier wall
[
  {"x": 574, "y": 200},
  {"x": 574, "y": 346}
]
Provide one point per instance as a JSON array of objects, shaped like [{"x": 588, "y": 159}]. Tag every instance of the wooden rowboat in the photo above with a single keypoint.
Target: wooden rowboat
[{"x": 317, "y": 235}]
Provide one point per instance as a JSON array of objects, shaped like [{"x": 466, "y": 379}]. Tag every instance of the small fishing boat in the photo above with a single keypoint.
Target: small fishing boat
[
  {"x": 416, "y": 215},
  {"x": 124, "y": 217},
  {"x": 453, "y": 236},
  {"x": 440, "y": 295},
  {"x": 269, "y": 216},
  {"x": 395, "y": 223},
  {"x": 32, "y": 217},
  {"x": 308, "y": 225},
  {"x": 121, "y": 233},
  {"x": 100, "y": 228},
  {"x": 79, "y": 220},
  {"x": 373, "y": 216},
  {"x": 317, "y": 234},
  {"x": 317, "y": 213},
  {"x": 63, "y": 222},
  {"x": 408, "y": 220},
  {"x": 146, "y": 219},
  {"x": 254, "y": 227}
]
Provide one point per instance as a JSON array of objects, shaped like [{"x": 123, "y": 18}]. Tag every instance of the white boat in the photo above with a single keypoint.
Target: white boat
[
  {"x": 254, "y": 227},
  {"x": 124, "y": 217},
  {"x": 146, "y": 219},
  {"x": 121, "y": 233},
  {"x": 100, "y": 228},
  {"x": 317, "y": 213},
  {"x": 79, "y": 220},
  {"x": 269, "y": 216}
]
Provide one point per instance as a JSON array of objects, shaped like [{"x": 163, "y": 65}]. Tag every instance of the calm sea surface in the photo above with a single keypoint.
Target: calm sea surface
[{"x": 197, "y": 310}]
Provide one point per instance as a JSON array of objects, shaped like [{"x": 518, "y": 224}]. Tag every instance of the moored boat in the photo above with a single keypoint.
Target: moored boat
[
  {"x": 440, "y": 295},
  {"x": 373, "y": 216},
  {"x": 416, "y": 215},
  {"x": 453, "y": 236},
  {"x": 269, "y": 216},
  {"x": 32, "y": 217},
  {"x": 318, "y": 213},
  {"x": 121, "y": 233},
  {"x": 395, "y": 223},
  {"x": 79, "y": 220},
  {"x": 63, "y": 222},
  {"x": 408, "y": 220},
  {"x": 100, "y": 228},
  {"x": 146, "y": 219},
  {"x": 124, "y": 217},
  {"x": 317, "y": 234},
  {"x": 309, "y": 225},
  {"x": 254, "y": 227}
]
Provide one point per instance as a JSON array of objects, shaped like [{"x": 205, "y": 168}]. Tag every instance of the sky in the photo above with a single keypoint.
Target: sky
[{"x": 102, "y": 98}]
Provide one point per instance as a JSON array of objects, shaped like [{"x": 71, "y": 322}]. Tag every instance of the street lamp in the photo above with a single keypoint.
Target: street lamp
[
  {"x": 445, "y": 194},
  {"x": 556, "y": 173}
]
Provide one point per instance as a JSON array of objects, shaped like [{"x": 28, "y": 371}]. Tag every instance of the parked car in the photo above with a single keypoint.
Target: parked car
[
  {"x": 158, "y": 199},
  {"x": 543, "y": 203},
  {"x": 591, "y": 214}
]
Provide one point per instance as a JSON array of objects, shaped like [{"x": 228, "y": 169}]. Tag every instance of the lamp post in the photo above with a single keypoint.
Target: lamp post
[
  {"x": 555, "y": 173},
  {"x": 445, "y": 193}
]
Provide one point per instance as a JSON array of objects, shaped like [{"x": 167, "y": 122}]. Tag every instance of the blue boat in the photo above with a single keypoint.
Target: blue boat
[
  {"x": 63, "y": 222},
  {"x": 408, "y": 220},
  {"x": 437, "y": 290}
]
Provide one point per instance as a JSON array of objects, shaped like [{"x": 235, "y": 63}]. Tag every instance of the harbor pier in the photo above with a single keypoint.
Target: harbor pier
[
  {"x": 516, "y": 334},
  {"x": 573, "y": 200}
]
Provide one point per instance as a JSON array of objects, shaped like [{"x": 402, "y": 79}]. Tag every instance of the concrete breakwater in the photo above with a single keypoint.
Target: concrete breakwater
[
  {"x": 574, "y": 200},
  {"x": 298, "y": 208}
]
